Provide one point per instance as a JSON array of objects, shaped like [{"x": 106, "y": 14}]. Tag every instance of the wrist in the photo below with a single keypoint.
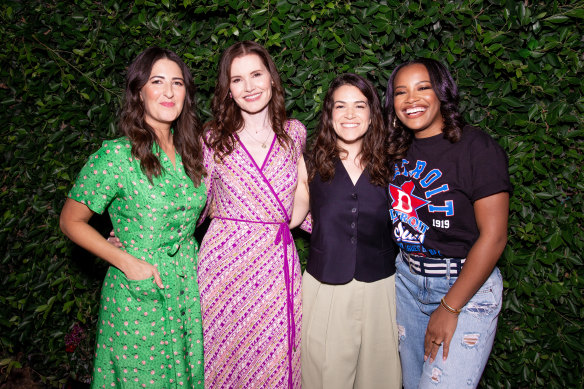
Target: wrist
[
  {"x": 454, "y": 311},
  {"x": 127, "y": 263}
]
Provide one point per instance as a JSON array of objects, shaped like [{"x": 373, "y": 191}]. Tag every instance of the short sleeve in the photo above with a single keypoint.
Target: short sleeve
[
  {"x": 490, "y": 172},
  {"x": 99, "y": 180},
  {"x": 297, "y": 132}
]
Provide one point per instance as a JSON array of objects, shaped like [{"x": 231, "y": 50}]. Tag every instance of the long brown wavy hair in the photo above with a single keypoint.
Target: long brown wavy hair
[
  {"x": 400, "y": 137},
  {"x": 325, "y": 151},
  {"x": 187, "y": 128},
  {"x": 227, "y": 119}
]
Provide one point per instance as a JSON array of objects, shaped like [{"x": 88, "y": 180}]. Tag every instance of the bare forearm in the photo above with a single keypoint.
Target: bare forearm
[
  {"x": 74, "y": 223},
  {"x": 479, "y": 264},
  {"x": 301, "y": 196},
  {"x": 491, "y": 215}
]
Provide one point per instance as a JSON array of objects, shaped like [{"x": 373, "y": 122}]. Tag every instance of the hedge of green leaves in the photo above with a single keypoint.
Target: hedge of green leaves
[{"x": 519, "y": 66}]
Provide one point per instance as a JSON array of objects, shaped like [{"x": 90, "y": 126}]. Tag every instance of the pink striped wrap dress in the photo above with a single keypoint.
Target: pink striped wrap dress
[{"x": 249, "y": 273}]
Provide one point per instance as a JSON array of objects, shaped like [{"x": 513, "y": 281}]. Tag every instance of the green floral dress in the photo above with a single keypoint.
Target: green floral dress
[{"x": 147, "y": 336}]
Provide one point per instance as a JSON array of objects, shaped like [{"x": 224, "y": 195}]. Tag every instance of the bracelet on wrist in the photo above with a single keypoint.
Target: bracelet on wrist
[{"x": 449, "y": 308}]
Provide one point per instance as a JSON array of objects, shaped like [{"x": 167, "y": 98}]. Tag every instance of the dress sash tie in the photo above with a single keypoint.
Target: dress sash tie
[{"x": 285, "y": 237}]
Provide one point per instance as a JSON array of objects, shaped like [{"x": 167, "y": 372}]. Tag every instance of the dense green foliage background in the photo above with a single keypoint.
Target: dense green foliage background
[{"x": 518, "y": 64}]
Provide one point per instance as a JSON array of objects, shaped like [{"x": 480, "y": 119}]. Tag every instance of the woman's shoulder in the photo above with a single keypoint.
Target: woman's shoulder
[
  {"x": 477, "y": 137},
  {"x": 117, "y": 143},
  {"x": 296, "y": 129},
  {"x": 113, "y": 150},
  {"x": 294, "y": 125}
]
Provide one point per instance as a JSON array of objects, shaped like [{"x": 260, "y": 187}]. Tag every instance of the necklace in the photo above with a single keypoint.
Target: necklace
[{"x": 264, "y": 144}]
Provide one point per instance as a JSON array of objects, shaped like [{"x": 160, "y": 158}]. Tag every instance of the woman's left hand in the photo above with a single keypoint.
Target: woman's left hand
[{"x": 440, "y": 331}]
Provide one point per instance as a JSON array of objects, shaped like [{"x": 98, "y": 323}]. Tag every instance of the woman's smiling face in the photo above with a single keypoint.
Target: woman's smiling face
[
  {"x": 351, "y": 114},
  {"x": 415, "y": 102},
  {"x": 251, "y": 83}
]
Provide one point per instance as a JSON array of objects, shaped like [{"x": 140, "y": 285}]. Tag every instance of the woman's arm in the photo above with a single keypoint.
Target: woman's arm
[
  {"x": 74, "y": 223},
  {"x": 491, "y": 215},
  {"x": 301, "y": 197}
]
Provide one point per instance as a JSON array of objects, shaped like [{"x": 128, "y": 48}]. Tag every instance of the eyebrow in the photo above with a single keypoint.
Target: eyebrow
[
  {"x": 253, "y": 71},
  {"x": 419, "y": 82},
  {"x": 356, "y": 102},
  {"x": 173, "y": 78}
]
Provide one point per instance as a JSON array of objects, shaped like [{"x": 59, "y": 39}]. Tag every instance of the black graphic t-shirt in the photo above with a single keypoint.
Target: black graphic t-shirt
[{"x": 434, "y": 188}]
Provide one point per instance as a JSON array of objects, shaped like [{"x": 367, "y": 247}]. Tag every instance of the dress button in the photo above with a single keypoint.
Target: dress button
[
  {"x": 353, "y": 225},
  {"x": 353, "y": 240},
  {"x": 354, "y": 210},
  {"x": 182, "y": 292},
  {"x": 354, "y": 196},
  {"x": 182, "y": 208},
  {"x": 179, "y": 231}
]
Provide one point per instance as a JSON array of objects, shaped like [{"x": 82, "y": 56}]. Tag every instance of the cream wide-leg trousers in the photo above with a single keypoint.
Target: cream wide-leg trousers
[{"x": 349, "y": 335}]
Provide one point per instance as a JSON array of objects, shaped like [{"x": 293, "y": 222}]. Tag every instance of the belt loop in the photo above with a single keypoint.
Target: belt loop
[{"x": 447, "y": 268}]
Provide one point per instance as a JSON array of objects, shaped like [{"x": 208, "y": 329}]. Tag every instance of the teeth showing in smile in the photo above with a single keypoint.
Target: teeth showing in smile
[
  {"x": 410, "y": 111},
  {"x": 350, "y": 125}
]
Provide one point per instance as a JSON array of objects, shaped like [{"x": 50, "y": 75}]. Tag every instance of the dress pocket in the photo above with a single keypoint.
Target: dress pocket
[{"x": 143, "y": 289}]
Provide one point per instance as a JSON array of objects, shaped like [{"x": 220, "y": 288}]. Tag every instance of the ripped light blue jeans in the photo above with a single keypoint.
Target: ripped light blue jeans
[{"x": 417, "y": 297}]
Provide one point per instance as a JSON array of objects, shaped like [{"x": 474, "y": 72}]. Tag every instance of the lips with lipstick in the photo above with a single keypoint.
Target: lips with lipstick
[{"x": 168, "y": 104}]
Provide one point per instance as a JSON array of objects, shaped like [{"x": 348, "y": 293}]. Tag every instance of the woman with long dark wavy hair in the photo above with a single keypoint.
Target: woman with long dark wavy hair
[
  {"x": 249, "y": 273},
  {"x": 349, "y": 333},
  {"x": 150, "y": 181},
  {"x": 450, "y": 203}
]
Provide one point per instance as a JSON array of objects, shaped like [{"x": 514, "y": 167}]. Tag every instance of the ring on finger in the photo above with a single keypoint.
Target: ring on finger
[{"x": 437, "y": 344}]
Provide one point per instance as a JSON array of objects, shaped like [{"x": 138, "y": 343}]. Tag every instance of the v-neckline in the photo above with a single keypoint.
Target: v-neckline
[
  {"x": 260, "y": 171},
  {"x": 349, "y": 176},
  {"x": 251, "y": 156},
  {"x": 162, "y": 154}
]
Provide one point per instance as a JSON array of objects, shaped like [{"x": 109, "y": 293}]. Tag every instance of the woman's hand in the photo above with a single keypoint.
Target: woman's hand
[
  {"x": 114, "y": 240},
  {"x": 138, "y": 270},
  {"x": 440, "y": 331},
  {"x": 211, "y": 210},
  {"x": 74, "y": 223},
  {"x": 491, "y": 214}
]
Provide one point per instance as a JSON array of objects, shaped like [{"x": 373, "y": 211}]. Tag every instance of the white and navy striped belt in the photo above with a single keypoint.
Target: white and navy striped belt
[{"x": 433, "y": 267}]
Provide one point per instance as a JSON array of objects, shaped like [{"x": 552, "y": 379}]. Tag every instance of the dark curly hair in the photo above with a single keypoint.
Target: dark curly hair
[
  {"x": 400, "y": 137},
  {"x": 325, "y": 151},
  {"x": 227, "y": 119},
  {"x": 187, "y": 128}
]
